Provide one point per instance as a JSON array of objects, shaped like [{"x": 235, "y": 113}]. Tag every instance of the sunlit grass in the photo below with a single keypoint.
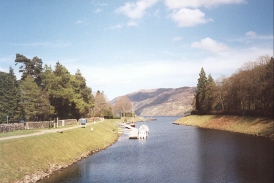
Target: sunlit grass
[{"x": 240, "y": 124}]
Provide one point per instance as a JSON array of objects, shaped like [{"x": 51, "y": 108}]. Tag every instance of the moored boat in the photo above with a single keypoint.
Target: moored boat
[
  {"x": 132, "y": 124},
  {"x": 133, "y": 134},
  {"x": 143, "y": 132}
]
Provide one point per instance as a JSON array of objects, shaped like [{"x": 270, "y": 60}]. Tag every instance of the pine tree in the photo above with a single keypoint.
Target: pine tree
[
  {"x": 61, "y": 92},
  {"x": 83, "y": 99},
  {"x": 8, "y": 97},
  {"x": 210, "y": 94},
  {"x": 30, "y": 94},
  {"x": 29, "y": 67},
  {"x": 201, "y": 90}
]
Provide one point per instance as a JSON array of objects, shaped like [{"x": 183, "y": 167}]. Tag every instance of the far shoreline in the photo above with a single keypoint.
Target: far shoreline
[{"x": 256, "y": 126}]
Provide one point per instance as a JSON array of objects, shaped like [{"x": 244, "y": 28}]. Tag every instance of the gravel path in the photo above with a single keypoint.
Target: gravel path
[{"x": 55, "y": 130}]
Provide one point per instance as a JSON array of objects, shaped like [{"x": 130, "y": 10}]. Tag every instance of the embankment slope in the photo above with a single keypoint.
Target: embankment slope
[
  {"x": 32, "y": 158},
  {"x": 239, "y": 124}
]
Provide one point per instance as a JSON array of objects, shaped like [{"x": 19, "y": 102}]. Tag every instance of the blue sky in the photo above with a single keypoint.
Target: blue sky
[{"x": 123, "y": 46}]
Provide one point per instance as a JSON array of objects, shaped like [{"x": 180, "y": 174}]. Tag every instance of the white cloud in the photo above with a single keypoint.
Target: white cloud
[
  {"x": 102, "y": 4},
  {"x": 98, "y": 10},
  {"x": 186, "y": 14},
  {"x": 56, "y": 44},
  {"x": 187, "y": 17},
  {"x": 210, "y": 45},
  {"x": 118, "y": 26},
  {"x": 251, "y": 34},
  {"x": 136, "y": 10},
  {"x": 175, "y": 39},
  {"x": 132, "y": 23},
  {"x": 79, "y": 22},
  {"x": 254, "y": 35},
  {"x": 227, "y": 64},
  {"x": 178, "y": 4},
  {"x": 122, "y": 79}
]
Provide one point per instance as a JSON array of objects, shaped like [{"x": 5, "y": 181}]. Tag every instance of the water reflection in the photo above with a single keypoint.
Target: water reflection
[
  {"x": 72, "y": 174},
  {"x": 142, "y": 142},
  {"x": 229, "y": 157}
]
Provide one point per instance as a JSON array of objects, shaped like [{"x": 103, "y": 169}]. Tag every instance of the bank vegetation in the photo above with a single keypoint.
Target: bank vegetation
[
  {"x": 247, "y": 92},
  {"x": 45, "y": 92},
  {"x": 240, "y": 103},
  {"x": 256, "y": 126}
]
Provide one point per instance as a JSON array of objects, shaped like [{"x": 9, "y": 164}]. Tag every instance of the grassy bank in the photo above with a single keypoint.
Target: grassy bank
[
  {"x": 240, "y": 124},
  {"x": 40, "y": 155}
]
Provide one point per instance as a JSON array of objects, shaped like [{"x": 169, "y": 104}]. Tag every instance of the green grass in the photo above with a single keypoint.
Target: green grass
[{"x": 28, "y": 155}]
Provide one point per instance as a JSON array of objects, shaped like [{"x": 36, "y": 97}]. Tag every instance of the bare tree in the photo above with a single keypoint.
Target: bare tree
[
  {"x": 123, "y": 105},
  {"x": 100, "y": 104}
]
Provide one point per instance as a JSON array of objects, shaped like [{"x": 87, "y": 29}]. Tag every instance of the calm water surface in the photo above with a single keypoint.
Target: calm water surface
[{"x": 176, "y": 153}]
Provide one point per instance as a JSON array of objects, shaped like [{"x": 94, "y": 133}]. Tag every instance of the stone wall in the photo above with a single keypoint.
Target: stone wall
[
  {"x": 38, "y": 125},
  {"x": 69, "y": 122},
  {"x": 46, "y": 124},
  {"x": 4, "y": 128}
]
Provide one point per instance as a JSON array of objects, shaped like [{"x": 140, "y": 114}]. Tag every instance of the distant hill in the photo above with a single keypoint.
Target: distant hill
[{"x": 162, "y": 101}]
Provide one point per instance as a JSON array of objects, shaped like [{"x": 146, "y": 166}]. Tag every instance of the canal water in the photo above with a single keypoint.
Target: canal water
[{"x": 176, "y": 153}]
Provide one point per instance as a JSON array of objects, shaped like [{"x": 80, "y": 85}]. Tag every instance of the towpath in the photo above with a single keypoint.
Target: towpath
[{"x": 55, "y": 130}]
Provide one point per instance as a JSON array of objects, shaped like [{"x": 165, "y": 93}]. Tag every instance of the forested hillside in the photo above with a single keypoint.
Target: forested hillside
[
  {"x": 249, "y": 91},
  {"x": 44, "y": 93}
]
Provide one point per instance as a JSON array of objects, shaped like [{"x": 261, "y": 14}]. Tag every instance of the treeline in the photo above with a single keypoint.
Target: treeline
[
  {"x": 249, "y": 91},
  {"x": 44, "y": 93}
]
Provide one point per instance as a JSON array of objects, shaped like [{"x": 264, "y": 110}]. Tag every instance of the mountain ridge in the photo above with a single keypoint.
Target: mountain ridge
[{"x": 162, "y": 101}]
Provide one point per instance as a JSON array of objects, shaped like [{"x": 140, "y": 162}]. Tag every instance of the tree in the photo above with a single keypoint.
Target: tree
[
  {"x": 201, "y": 89},
  {"x": 123, "y": 105},
  {"x": 221, "y": 92},
  {"x": 30, "y": 94},
  {"x": 61, "y": 92},
  {"x": 249, "y": 90},
  {"x": 100, "y": 104},
  {"x": 83, "y": 99},
  {"x": 210, "y": 95},
  {"x": 47, "y": 79},
  {"x": 29, "y": 67},
  {"x": 9, "y": 96}
]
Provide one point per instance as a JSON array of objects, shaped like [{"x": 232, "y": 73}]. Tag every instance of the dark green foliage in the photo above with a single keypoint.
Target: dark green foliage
[
  {"x": 29, "y": 67},
  {"x": 210, "y": 94},
  {"x": 29, "y": 99},
  {"x": 201, "y": 90},
  {"x": 248, "y": 91},
  {"x": 68, "y": 93},
  {"x": 44, "y": 93},
  {"x": 9, "y": 97}
]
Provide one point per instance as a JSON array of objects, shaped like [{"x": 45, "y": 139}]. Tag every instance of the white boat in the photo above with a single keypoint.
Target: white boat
[
  {"x": 143, "y": 132},
  {"x": 133, "y": 133}
]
